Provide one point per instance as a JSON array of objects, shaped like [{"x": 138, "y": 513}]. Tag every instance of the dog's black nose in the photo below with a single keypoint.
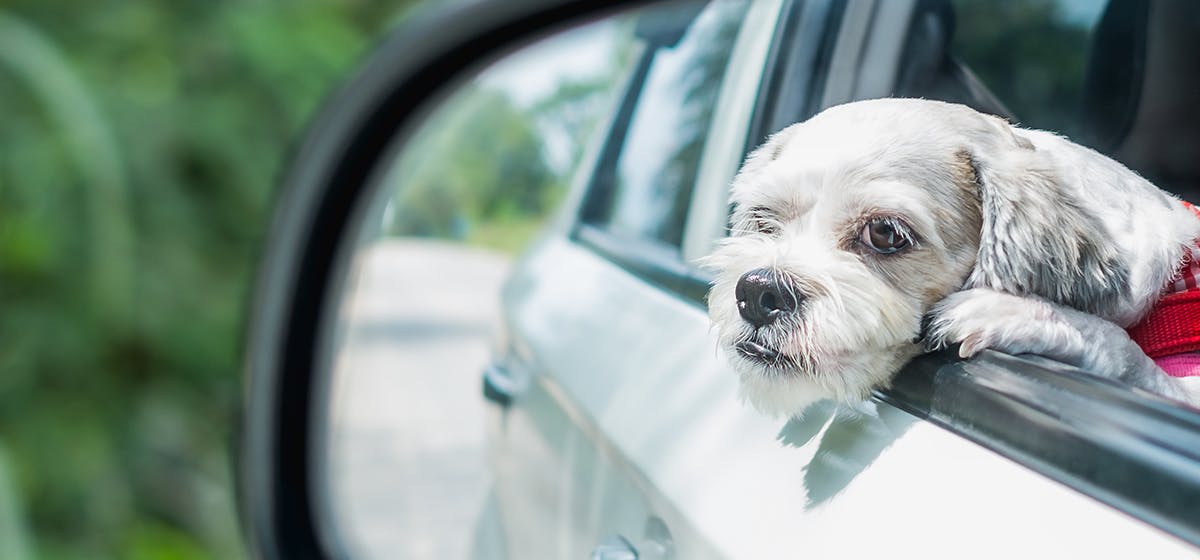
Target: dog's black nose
[{"x": 762, "y": 297}]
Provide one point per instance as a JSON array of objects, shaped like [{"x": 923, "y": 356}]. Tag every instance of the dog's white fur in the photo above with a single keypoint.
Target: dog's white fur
[{"x": 1020, "y": 241}]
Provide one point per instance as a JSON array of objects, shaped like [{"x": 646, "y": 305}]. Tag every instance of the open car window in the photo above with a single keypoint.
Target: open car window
[{"x": 1108, "y": 75}]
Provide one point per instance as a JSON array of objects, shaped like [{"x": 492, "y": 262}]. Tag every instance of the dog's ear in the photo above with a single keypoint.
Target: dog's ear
[
  {"x": 767, "y": 152},
  {"x": 1039, "y": 236}
]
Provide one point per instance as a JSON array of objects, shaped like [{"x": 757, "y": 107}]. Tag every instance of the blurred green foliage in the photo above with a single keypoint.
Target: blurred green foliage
[
  {"x": 139, "y": 150},
  {"x": 479, "y": 169},
  {"x": 478, "y": 159}
]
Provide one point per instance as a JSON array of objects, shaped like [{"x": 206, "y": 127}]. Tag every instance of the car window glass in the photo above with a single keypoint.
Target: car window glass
[
  {"x": 643, "y": 192},
  {"x": 1114, "y": 76},
  {"x": 1032, "y": 55}
]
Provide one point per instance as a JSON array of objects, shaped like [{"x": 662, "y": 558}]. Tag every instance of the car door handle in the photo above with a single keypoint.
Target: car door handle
[
  {"x": 499, "y": 384},
  {"x": 614, "y": 548}
]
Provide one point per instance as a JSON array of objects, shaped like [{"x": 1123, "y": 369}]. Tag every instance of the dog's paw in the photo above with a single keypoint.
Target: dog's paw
[{"x": 980, "y": 318}]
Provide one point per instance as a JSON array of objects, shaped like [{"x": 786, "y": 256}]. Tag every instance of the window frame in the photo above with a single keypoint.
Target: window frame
[{"x": 670, "y": 267}]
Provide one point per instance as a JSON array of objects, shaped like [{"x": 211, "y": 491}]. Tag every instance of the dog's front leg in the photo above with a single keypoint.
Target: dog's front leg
[{"x": 981, "y": 318}]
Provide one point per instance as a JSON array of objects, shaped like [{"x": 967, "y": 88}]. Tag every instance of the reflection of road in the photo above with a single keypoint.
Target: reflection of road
[{"x": 407, "y": 465}]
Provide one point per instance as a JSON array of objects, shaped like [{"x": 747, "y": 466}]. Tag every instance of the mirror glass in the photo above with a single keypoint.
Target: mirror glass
[
  {"x": 407, "y": 467},
  {"x": 522, "y": 364}
]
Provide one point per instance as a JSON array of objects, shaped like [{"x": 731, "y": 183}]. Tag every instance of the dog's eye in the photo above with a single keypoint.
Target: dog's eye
[
  {"x": 763, "y": 221},
  {"x": 883, "y": 236},
  {"x": 766, "y": 226}
]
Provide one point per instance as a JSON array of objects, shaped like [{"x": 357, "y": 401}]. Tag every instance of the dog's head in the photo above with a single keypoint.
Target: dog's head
[{"x": 849, "y": 227}]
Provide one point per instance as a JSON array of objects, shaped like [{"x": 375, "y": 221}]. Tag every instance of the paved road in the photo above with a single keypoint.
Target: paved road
[{"x": 407, "y": 449}]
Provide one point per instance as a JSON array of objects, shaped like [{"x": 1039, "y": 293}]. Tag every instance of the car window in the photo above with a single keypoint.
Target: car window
[
  {"x": 1023, "y": 60},
  {"x": 643, "y": 182},
  {"x": 1113, "y": 76},
  {"x": 1032, "y": 55}
]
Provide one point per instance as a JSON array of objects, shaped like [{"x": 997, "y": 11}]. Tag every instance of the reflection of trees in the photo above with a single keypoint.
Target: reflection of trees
[
  {"x": 701, "y": 83},
  {"x": 573, "y": 110},
  {"x": 1027, "y": 54},
  {"x": 479, "y": 159},
  {"x": 481, "y": 168},
  {"x": 570, "y": 113}
]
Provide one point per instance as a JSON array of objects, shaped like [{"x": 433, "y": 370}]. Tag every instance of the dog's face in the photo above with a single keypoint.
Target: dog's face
[
  {"x": 849, "y": 227},
  {"x": 846, "y": 229}
]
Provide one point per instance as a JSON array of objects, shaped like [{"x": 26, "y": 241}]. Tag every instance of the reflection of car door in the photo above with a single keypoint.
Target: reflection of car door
[{"x": 588, "y": 313}]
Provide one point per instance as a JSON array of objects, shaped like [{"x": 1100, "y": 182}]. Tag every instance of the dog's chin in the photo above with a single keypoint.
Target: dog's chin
[
  {"x": 762, "y": 355},
  {"x": 778, "y": 383}
]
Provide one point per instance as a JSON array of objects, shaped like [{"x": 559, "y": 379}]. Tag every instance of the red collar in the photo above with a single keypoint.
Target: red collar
[{"x": 1173, "y": 325}]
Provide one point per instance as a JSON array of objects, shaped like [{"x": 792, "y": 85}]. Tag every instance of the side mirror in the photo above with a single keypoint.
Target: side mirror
[{"x": 320, "y": 211}]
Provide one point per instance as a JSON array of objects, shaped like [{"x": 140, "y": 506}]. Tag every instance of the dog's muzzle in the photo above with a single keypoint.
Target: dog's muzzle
[{"x": 762, "y": 297}]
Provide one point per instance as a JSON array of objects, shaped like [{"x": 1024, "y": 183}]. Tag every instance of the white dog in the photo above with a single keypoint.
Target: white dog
[{"x": 852, "y": 227}]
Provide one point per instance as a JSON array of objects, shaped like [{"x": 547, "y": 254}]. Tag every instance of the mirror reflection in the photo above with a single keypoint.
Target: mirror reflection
[
  {"x": 406, "y": 454},
  {"x": 523, "y": 362}
]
